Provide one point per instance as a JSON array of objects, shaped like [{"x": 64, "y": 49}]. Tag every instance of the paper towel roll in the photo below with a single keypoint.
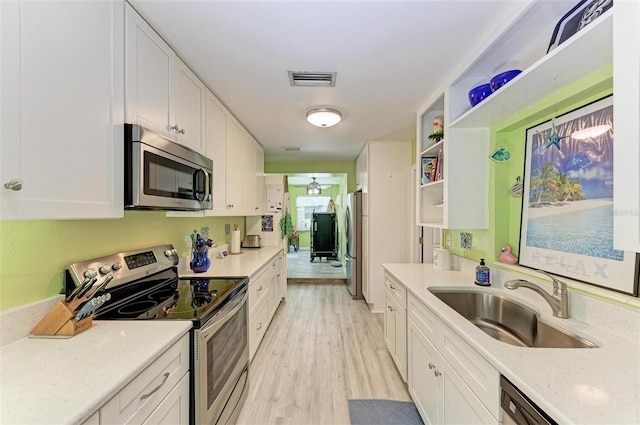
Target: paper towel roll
[
  {"x": 441, "y": 258},
  {"x": 235, "y": 242}
]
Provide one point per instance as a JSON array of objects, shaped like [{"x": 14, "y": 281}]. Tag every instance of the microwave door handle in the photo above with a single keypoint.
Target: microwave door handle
[{"x": 207, "y": 189}]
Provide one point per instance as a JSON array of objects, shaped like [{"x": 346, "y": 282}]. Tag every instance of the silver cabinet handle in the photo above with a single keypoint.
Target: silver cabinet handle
[
  {"x": 432, "y": 366},
  {"x": 259, "y": 326},
  {"x": 435, "y": 372},
  {"x": 15, "y": 185},
  {"x": 392, "y": 287},
  {"x": 145, "y": 396},
  {"x": 259, "y": 289},
  {"x": 181, "y": 131},
  {"x": 173, "y": 127}
]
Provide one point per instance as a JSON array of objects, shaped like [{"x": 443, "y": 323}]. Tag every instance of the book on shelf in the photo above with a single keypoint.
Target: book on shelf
[{"x": 431, "y": 168}]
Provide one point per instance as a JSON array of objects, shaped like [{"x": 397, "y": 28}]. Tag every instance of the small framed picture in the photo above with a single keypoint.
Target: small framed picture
[
  {"x": 428, "y": 169},
  {"x": 581, "y": 15}
]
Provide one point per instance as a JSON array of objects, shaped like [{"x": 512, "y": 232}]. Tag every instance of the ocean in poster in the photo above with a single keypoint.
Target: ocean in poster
[{"x": 585, "y": 232}]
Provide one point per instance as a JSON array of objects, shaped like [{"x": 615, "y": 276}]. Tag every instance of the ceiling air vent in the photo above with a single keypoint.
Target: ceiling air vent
[
  {"x": 312, "y": 79},
  {"x": 292, "y": 148}
]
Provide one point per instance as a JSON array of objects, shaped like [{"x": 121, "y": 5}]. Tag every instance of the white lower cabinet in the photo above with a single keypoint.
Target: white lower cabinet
[
  {"x": 264, "y": 298},
  {"x": 395, "y": 325},
  {"x": 159, "y": 395},
  {"x": 449, "y": 381}
]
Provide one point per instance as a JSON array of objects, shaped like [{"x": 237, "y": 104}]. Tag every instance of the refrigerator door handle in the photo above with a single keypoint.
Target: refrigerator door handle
[{"x": 348, "y": 257}]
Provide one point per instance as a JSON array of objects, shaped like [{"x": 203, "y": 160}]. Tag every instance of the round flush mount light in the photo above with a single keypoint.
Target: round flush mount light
[{"x": 324, "y": 117}]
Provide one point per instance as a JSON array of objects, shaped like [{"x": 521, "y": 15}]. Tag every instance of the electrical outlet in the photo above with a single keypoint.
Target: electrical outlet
[
  {"x": 227, "y": 229},
  {"x": 448, "y": 239}
]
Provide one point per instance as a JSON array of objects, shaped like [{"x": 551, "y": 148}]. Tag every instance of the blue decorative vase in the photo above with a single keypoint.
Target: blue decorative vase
[{"x": 200, "y": 262}]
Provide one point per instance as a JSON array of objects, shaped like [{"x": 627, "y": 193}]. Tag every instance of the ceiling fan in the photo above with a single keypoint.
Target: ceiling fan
[{"x": 314, "y": 188}]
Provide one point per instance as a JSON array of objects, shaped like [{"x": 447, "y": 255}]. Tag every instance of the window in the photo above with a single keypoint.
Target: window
[{"x": 305, "y": 206}]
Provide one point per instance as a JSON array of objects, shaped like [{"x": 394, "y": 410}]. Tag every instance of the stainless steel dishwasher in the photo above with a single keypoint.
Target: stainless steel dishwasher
[{"x": 517, "y": 409}]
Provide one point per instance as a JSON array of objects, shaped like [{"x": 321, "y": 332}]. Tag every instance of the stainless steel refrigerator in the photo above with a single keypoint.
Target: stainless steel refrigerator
[{"x": 353, "y": 235}]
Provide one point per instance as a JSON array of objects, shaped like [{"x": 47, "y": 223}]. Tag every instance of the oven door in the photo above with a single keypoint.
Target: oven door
[{"x": 222, "y": 364}]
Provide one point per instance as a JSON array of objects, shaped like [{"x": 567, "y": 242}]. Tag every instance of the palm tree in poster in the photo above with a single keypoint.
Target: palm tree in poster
[{"x": 542, "y": 177}]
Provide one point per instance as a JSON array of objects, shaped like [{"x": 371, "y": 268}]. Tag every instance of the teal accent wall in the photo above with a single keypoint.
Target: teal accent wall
[
  {"x": 34, "y": 254},
  {"x": 505, "y": 210}
]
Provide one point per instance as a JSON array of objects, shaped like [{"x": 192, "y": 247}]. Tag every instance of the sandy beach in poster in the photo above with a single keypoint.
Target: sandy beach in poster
[{"x": 546, "y": 210}]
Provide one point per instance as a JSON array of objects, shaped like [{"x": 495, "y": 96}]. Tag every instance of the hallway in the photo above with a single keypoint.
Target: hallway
[{"x": 300, "y": 269}]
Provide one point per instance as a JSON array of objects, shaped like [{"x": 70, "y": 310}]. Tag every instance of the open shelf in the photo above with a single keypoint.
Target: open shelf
[
  {"x": 433, "y": 149},
  {"x": 583, "y": 54}
]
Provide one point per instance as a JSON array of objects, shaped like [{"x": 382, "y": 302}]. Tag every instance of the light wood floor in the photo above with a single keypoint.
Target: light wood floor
[
  {"x": 321, "y": 349},
  {"x": 299, "y": 265}
]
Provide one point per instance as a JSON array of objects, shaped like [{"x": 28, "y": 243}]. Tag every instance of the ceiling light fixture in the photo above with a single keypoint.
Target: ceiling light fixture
[
  {"x": 324, "y": 117},
  {"x": 313, "y": 188}
]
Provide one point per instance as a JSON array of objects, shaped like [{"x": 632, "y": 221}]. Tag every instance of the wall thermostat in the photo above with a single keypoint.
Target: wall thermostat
[{"x": 224, "y": 253}]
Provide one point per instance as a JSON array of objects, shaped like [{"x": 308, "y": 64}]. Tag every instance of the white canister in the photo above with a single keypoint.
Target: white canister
[{"x": 441, "y": 258}]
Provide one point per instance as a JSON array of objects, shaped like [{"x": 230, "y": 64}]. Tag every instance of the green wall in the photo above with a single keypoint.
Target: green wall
[
  {"x": 505, "y": 210},
  {"x": 33, "y": 254},
  {"x": 338, "y": 167}
]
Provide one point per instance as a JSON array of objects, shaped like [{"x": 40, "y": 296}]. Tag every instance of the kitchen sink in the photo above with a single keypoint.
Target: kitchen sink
[{"x": 508, "y": 321}]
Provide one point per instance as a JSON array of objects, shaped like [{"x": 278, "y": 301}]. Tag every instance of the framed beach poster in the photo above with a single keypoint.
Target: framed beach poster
[{"x": 567, "y": 204}]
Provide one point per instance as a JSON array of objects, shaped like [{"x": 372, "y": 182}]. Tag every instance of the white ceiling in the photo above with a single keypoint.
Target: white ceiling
[{"x": 390, "y": 56}]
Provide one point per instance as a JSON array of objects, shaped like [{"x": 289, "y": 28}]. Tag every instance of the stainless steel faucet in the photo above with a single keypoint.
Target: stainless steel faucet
[{"x": 559, "y": 301}]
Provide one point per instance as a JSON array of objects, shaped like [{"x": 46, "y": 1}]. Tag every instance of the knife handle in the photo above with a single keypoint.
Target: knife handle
[
  {"x": 77, "y": 289},
  {"x": 88, "y": 286},
  {"x": 103, "y": 285}
]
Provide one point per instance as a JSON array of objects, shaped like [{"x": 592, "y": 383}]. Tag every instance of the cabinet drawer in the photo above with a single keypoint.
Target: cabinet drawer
[
  {"x": 397, "y": 290},
  {"x": 258, "y": 322},
  {"x": 258, "y": 284},
  {"x": 475, "y": 370},
  {"x": 425, "y": 319},
  {"x": 135, "y": 402}
]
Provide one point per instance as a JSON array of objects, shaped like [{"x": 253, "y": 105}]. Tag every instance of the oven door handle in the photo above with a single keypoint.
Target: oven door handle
[{"x": 224, "y": 315}]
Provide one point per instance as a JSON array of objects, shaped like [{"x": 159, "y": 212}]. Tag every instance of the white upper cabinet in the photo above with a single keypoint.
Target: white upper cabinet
[
  {"x": 253, "y": 175},
  {"x": 626, "y": 110},
  {"x": 190, "y": 108},
  {"x": 150, "y": 67},
  {"x": 162, "y": 93},
  {"x": 62, "y": 84},
  {"x": 235, "y": 164},
  {"x": 216, "y": 140}
]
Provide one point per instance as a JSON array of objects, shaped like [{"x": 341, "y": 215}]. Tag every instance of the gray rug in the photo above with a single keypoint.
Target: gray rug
[{"x": 383, "y": 412}]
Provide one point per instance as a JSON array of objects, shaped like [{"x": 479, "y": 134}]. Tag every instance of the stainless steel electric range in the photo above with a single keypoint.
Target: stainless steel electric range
[{"x": 144, "y": 285}]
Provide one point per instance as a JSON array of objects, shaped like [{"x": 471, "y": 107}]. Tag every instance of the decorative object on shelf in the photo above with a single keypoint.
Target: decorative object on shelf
[
  {"x": 500, "y": 155},
  {"x": 567, "y": 204},
  {"x": 428, "y": 168},
  {"x": 479, "y": 93},
  {"x": 581, "y": 15},
  {"x": 465, "y": 240},
  {"x": 517, "y": 188},
  {"x": 438, "y": 129},
  {"x": 552, "y": 139},
  {"x": 503, "y": 78},
  {"x": 507, "y": 257}
]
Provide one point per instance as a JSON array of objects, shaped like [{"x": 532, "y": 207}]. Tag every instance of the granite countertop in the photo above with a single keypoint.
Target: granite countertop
[
  {"x": 245, "y": 264},
  {"x": 65, "y": 381},
  {"x": 581, "y": 386}
]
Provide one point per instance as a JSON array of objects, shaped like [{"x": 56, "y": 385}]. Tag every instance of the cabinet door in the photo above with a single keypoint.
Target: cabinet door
[
  {"x": 149, "y": 67},
  {"x": 365, "y": 257},
  {"x": 460, "y": 405},
  {"x": 235, "y": 163},
  {"x": 62, "y": 85},
  {"x": 248, "y": 174},
  {"x": 422, "y": 380},
  {"x": 390, "y": 324},
  {"x": 216, "y": 137},
  {"x": 258, "y": 171},
  {"x": 174, "y": 409},
  {"x": 401, "y": 341},
  {"x": 190, "y": 107}
]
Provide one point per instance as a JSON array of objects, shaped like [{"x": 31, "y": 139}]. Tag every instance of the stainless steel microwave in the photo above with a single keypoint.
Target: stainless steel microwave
[{"x": 163, "y": 175}]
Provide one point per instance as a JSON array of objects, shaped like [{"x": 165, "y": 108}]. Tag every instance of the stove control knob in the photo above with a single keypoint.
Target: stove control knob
[
  {"x": 90, "y": 273},
  {"x": 116, "y": 266},
  {"x": 171, "y": 253},
  {"x": 105, "y": 269}
]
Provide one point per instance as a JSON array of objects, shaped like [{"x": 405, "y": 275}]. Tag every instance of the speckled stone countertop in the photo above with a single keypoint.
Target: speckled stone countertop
[
  {"x": 64, "y": 381},
  {"x": 580, "y": 386},
  {"x": 245, "y": 264}
]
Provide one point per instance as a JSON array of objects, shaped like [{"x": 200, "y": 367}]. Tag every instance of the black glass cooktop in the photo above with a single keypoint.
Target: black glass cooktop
[{"x": 164, "y": 296}]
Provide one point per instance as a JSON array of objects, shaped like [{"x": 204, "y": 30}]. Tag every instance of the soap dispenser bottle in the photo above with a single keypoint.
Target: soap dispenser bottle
[{"x": 482, "y": 274}]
